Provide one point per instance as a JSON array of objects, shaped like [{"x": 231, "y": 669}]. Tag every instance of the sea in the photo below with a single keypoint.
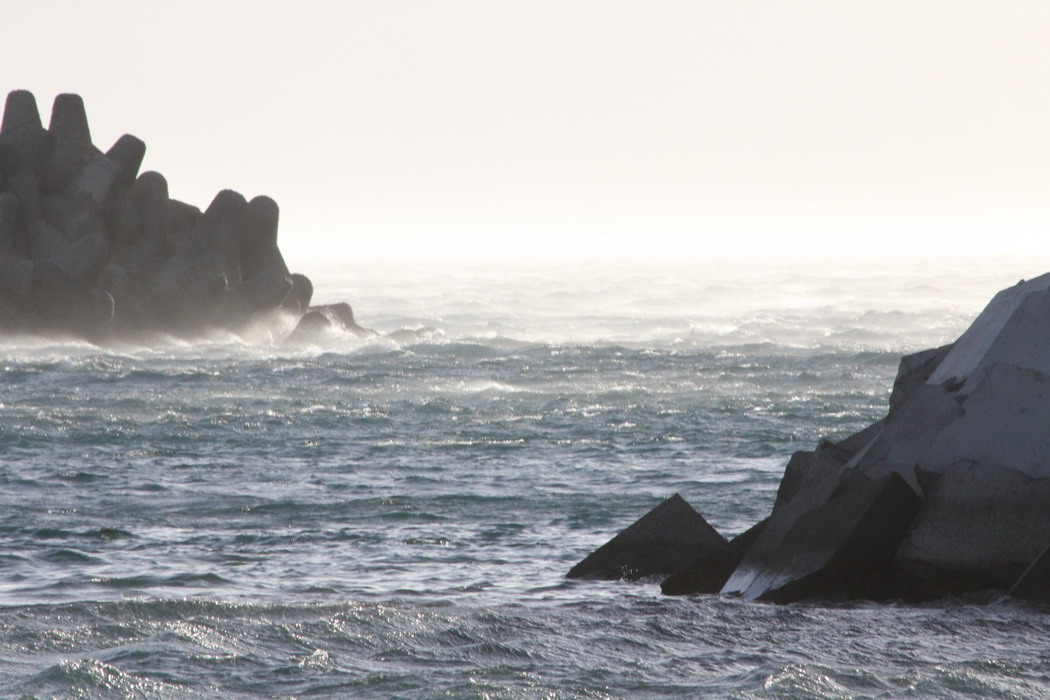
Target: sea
[{"x": 393, "y": 517}]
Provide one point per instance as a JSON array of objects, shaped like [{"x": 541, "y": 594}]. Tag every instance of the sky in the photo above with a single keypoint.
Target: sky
[{"x": 586, "y": 128}]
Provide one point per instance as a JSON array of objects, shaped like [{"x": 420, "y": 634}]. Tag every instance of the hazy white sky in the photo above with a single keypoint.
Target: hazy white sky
[{"x": 595, "y": 126}]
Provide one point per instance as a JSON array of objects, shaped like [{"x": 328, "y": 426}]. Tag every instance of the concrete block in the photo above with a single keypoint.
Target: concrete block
[
  {"x": 980, "y": 527},
  {"x": 1004, "y": 422},
  {"x": 150, "y": 197},
  {"x": 182, "y": 229},
  {"x": 94, "y": 182},
  {"x": 298, "y": 300},
  {"x": 45, "y": 241},
  {"x": 808, "y": 484},
  {"x": 914, "y": 371},
  {"x": 127, "y": 153},
  {"x": 69, "y": 120},
  {"x": 709, "y": 573},
  {"x": 122, "y": 219},
  {"x": 267, "y": 289},
  {"x": 843, "y": 549},
  {"x": 667, "y": 539},
  {"x": 968, "y": 351},
  {"x": 81, "y": 260},
  {"x": 22, "y": 131},
  {"x": 20, "y": 113}
]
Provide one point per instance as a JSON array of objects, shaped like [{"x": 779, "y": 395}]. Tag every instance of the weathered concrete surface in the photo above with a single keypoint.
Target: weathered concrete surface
[
  {"x": 914, "y": 371},
  {"x": 667, "y": 539},
  {"x": 711, "y": 570},
  {"x": 980, "y": 527},
  {"x": 969, "y": 350},
  {"x": 843, "y": 547},
  {"x": 1004, "y": 423},
  {"x": 969, "y": 432},
  {"x": 808, "y": 483}
]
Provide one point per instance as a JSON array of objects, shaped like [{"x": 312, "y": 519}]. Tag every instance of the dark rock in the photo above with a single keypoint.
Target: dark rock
[
  {"x": 1034, "y": 583},
  {"x": 711, "y": 571},
  {"x": 666, "y": 539}
]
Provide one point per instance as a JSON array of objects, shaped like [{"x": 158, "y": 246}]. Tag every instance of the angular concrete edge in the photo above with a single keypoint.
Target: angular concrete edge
[{"x": 668, "y": 538}]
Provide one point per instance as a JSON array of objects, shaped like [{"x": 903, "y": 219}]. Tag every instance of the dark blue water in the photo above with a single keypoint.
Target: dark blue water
[{"x": 232, "y": 518}]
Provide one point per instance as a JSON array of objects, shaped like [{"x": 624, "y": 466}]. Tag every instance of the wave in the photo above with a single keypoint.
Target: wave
[{"x": 603, "y": 647}]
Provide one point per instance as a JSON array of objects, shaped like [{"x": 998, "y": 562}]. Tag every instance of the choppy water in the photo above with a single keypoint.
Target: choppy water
[{"x": 374, "y": 519}]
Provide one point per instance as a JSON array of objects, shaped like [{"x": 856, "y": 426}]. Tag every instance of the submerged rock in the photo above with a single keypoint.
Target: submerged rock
[{"x": 666, "y": 539}]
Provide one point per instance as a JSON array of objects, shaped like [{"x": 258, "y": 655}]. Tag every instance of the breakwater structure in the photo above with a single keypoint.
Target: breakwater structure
[
  {"x": 91, "y": 248},
  {"x": 947, "y": 495}
]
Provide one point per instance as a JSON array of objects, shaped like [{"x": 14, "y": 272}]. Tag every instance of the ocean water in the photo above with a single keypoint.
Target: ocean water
[{"x": 372, "y": 518}]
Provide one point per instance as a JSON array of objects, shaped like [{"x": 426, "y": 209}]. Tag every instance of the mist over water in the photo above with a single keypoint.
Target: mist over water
[{"x": 368, "y": 517}]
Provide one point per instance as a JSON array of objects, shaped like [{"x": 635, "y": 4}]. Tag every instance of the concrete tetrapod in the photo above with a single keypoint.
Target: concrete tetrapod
[
  {"x": 90, "y": 248},
  {"x": 667, "y": 539}
]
